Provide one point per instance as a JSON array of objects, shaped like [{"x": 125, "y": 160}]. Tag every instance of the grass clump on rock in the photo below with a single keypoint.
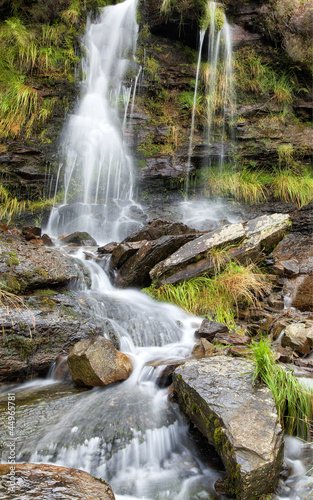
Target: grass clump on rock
[
  {"x": 217, "y": 296},
  {"x": 294, "y": 402},
  {"x": 289, "y": 184}
]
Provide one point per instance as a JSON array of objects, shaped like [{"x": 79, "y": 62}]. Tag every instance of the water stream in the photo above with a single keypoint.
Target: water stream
[
  {"x": 129, "y": 433},
  {"x": 96, "y": 172}
]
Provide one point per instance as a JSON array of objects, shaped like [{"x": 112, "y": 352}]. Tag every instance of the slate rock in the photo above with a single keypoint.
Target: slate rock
[
  {"x": 158, "y": 228},
  {"x": 79, "y": 239},
  {"x": 239, "y": 419},
  {"x": 135, "y": 271},
  {"x": 208, "y": 329}
]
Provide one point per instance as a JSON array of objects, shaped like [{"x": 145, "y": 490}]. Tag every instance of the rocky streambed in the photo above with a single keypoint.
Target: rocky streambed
[{"x": 60, "y": 311}]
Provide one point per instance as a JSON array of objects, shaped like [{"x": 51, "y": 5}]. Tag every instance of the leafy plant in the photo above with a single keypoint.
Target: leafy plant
[{"x": 293, "y": 401}]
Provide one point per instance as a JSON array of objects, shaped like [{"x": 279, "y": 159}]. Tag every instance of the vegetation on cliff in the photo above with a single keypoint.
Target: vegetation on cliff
[{"x": 38, "y": 44}]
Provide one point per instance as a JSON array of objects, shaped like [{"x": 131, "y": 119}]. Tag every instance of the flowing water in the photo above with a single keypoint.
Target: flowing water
[
  {"x": 129, "y": 434},
  {"x": 219, "y": 93},
  {"x": 97, "y": 171}
]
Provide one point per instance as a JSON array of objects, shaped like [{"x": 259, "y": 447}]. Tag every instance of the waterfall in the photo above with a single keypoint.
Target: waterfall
[
  {"x": 98, "y": 172},
  {"x": 218, "y": 76},
  {"x": 220, "y": 92},
  {"x": 202, "y": 35}
]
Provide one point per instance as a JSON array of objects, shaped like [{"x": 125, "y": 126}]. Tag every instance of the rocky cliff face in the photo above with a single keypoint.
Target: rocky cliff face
[{"x": 272, "y": 110}]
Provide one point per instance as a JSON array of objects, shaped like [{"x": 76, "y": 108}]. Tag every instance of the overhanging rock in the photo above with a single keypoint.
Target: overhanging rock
[{"x": 238, "y": 419}]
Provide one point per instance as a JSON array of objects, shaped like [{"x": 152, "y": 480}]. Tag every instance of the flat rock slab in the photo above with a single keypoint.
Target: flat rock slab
[
  {"x": 238, "y": 419},
  {"x": 198, "y": 247},
  {"x": 242, "y": 242},
  {"x": 49, "y": 482}
]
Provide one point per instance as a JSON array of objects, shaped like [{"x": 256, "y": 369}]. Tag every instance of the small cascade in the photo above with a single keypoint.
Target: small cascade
[
  {"x": 97, "y": 168},
  {"x": 202, "y": 35},
  {"x": 219, "y": 93}
]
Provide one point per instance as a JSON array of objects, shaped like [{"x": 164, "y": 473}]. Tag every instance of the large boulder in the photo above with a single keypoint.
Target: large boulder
[
  {"x": 79, "y": 238},
  {"x": 42, "y": 481},
  {"x": 243, "y": 242},
  {"x": 96, "y": 362},
  {"x": 195, "y": 251},
  {"x": 157, "y": 228},
  {"x": 240, "y": 420}
]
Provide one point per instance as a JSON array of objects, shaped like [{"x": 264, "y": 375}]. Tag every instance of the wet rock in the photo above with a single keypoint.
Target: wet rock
[
  {"x": 194, "y": 250},
  {"x": 34, "y": 337},
  {"x": 208, "y": 329},
  {"x": 108, "y": 248},
  {"x": 43, "y": 482},
  {"x": 47, "y": 240},
  {"x": 96, "y": 362},
  {"x": 135, "y": 271},
  {"x": 300, "y": 292},
  {"x": 123, "y": 252},
  {"x": 253, "y": 239},
  {"x": 287, "y": 267},
  {"x": 31, "y": 233},
  {"x": 158, "y": 228},
  {"x": 217, "y": 395},
  {"x": 60, "y": 369},
  {"x": 232, "y": 339},
  {"x": 203, "y": 348},
  {"x": 299, "y": 336},
  {"x": 79, "y": 239},
  {"x": 284, "y": 354},
  {"x": 302, "y": 220},
  {"x": 24, "y": 266}
]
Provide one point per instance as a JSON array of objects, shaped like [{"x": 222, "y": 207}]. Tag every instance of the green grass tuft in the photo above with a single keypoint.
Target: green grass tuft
[
  {"x": 293, "y": 401},
  {"x": 218, "y": 296}
]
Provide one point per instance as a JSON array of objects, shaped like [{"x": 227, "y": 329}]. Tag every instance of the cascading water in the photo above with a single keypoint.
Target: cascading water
[
  {"x": 97, "y": 169},
  {"x": 128, "y": 434},
  {"x": 219, "y": 92}
]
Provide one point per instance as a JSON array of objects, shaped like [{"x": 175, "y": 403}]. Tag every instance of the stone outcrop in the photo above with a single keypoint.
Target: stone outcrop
[
  {"x": 208, "y": 329},
  {"x": 299, "y": 336},
  {"x": 34, "y": 336},
  {"x": 25, "y": 266},
  {"x": 43, "y": 482},
  {"x": 96, "y": 362},
  {"x": 238, "y": 419},
  {"x": 247, "y": 241},
  {"x": 293, "y": 260},
  {"x": 79, "y": 239},
  {"x": 140, "y": 252}
]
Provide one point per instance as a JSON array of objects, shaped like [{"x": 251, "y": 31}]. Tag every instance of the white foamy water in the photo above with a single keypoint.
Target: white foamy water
[{"x": 97, "y": 171}]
